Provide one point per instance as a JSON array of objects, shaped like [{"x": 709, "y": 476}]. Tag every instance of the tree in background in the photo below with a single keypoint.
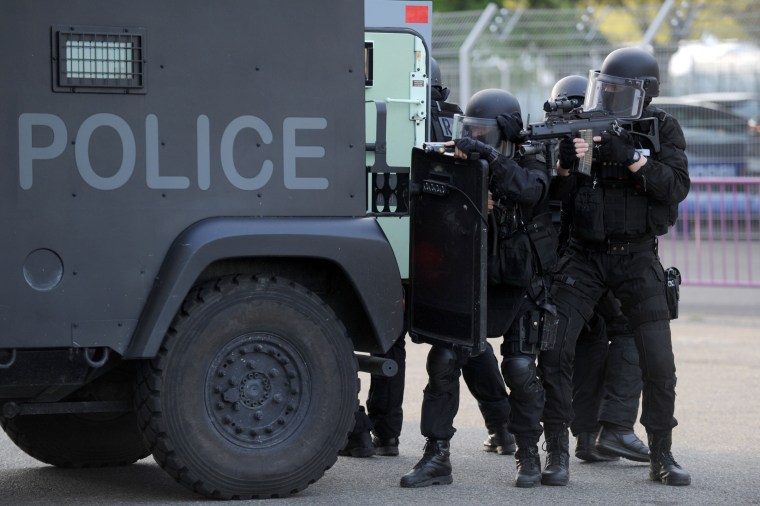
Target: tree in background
[{"x": 474, "y": 5}]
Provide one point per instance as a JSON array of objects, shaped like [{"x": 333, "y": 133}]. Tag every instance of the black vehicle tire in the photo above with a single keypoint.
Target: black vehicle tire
[
  {"x": 253, "y": 391},
  {"x": 78, "y": 440},
  {"x": 84, "y": 439}
]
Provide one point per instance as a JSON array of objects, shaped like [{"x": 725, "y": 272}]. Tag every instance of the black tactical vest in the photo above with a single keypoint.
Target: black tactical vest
[{"x": 612, "y": 204}]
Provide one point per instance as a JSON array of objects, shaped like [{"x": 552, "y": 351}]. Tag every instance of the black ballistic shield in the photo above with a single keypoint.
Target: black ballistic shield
[{"x": 447, "y": 267}]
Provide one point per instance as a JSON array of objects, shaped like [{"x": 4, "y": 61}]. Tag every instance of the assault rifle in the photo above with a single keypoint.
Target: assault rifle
[
  {"x": 564, "y": 118},
  {"x": 562, "y": 121}
]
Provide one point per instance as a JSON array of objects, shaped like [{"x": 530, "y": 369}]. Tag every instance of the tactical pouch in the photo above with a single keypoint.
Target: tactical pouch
[
  {"x": 512, "y": 262},
  {"x": 588, "y": 214},
  {"x": 548, "y": 326},
  {"x": 672, "y": 283},
  {"x": 661, "y": 216},
  {"x": 530, "y": 332},
  {"x": 538, "y": 330},
  {"x": 543, "y": 235}
]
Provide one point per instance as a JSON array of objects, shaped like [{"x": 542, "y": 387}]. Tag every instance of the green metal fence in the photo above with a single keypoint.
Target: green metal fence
[{"x": 709, "y": 56}]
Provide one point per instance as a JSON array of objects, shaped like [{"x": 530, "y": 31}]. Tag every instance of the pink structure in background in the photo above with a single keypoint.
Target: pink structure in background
[{"x": 716, "y": 240}]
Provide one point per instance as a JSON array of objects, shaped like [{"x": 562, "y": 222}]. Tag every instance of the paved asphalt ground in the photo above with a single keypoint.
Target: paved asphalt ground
[{"x": 717, "y": 346}]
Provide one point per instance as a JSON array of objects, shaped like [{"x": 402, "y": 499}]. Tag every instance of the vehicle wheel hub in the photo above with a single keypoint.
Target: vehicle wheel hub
[{"x": 255, "y": 391}]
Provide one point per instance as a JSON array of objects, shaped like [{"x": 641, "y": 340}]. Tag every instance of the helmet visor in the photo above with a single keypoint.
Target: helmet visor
[
  {"x": 621, "y": 97},
  {"x": 484, "y": 130}
]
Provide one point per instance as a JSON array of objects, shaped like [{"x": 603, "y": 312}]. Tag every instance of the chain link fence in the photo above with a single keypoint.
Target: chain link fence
[{"x": 709, "y": 56}]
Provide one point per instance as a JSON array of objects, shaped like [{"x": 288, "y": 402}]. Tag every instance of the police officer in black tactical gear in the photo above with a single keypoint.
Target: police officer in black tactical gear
[
  {"x": 606, "y": 375},
  {"x": 518, "y": 188},
  {"x": 384, "y": 415},
  {"x": 570, "y": 88},
  {"x": 441, "y": 112},
  {"x": 482, "y": 377},
  {"x": 639, "y": 176}
]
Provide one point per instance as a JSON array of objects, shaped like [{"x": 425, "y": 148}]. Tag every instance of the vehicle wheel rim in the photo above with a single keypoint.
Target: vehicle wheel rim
[{"x": 256, "y": 390}]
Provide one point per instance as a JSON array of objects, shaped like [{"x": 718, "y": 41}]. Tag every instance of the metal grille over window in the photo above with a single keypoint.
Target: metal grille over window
[{"x": 104, "y": 60}]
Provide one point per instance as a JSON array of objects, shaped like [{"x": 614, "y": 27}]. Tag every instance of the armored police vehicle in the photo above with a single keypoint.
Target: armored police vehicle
[{"x": 199, "y": 205}]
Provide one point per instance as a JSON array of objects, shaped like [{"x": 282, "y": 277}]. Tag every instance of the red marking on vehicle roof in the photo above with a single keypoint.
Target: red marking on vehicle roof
[{"x": 416, "y": 13}]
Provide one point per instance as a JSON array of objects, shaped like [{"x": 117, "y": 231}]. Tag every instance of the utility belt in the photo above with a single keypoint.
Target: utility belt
[{"x": 613, "y": 247}]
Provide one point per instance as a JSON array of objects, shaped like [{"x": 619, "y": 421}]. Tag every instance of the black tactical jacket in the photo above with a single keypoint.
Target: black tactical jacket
[{"x": 615, "y": 204}]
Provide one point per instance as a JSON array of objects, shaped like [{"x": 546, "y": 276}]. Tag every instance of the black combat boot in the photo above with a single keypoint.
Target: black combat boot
[
  {"x": 585, "y": 450},
  {"x": 500, "y": 441},
  {"x": 528, "y": 463},
  {"x": 434, "y": 468},
  {"x": 662, "y": 466},
  {"x": 557, "y": 470},
  {"x": 359, "y": 445},
  {"x": 385, "y": 447},
  {"x": 622, "y": 442}
]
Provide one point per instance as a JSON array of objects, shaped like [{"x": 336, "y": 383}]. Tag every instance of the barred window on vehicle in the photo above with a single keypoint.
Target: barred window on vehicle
[{"x": 99, "y": 59}]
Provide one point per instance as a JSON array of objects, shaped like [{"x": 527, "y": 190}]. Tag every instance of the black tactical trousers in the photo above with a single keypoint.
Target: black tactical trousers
[
  {"x": 622, "y": 382},
  {"x": 588, "y": 376},
  {"x": 518, "y": 366},
  {"x": 637, "y": 279},
  {"x": 483, "y": 379},
  {"x": 606, "y": 378},
  {"x": 440, "y": 401},
  {"x": 386, "y": 395}
]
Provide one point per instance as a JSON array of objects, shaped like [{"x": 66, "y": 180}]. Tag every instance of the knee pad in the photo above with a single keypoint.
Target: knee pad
[
  {"x": 443, "y": 368},
  {"x": 520, "y": 375}
]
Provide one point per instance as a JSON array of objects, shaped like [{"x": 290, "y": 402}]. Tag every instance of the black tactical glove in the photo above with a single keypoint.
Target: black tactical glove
[
  {"x": 617, "y": 148},
  {"x": 511, "y": 126},
  {"x": 469, "y": 146},
  {"x": 566, "y": 153}
]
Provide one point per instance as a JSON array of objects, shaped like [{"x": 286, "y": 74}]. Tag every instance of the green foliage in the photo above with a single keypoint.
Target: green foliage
[
  {"x": 459, "y": 5},
  {"x": 622, "y": 21},
  {"x": 473, "y": 5}
]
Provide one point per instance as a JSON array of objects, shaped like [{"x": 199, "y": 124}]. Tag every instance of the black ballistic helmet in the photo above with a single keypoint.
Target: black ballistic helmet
[
  {"x": 627, "y": 81},
  {"x": 489, "y": 103},
  {"x": 435, "y": 73},
  {"x": 437, "y": 91},
  {"x": 635, "y": 63},
  {"x": 570, "y": 87},
  {"x": 479, "y": 120},
  {"x": 568, "y": 94}
]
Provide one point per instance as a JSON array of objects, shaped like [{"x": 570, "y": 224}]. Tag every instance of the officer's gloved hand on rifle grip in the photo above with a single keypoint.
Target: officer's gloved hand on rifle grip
[
  {"x": 566, "y": 153},
  {"x": 469, "y": 146},
  {"x": 617, "y": 148},
  {"x": 511, "y": 126}
]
